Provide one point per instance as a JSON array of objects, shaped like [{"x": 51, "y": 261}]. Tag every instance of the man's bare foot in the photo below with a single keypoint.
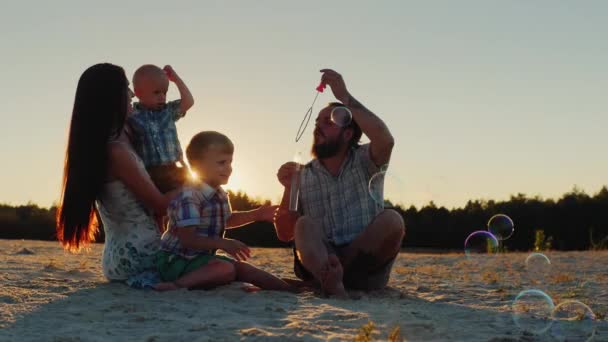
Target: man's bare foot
[
  {"x": 331, "y": 278},
  {"x": 166, "y": 286}
]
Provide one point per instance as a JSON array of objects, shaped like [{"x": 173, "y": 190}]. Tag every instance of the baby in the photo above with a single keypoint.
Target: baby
[{"x": 153, "y": 125}]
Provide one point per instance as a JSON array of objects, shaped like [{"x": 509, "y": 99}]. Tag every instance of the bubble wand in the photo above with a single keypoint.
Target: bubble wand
[{"x": 308, "y": 114}]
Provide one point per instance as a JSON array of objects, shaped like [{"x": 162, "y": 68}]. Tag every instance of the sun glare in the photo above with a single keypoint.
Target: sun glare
[{"x": 234, "y": 183}]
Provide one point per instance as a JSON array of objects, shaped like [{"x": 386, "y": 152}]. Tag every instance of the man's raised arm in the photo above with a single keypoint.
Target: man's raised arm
[{"x": 381, "y": 139}]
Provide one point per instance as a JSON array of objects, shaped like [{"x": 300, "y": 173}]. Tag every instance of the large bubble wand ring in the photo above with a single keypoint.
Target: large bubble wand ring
[{"x": 308, "y": 114}]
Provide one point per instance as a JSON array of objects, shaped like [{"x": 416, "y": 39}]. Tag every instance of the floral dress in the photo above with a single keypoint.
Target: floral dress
[{"x": 132, "y": 235}]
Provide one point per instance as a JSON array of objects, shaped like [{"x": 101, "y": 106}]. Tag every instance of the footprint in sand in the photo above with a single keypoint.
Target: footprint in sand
[
  {"x": 25, "y": 251},
  {"x": 80, "y": 273}
]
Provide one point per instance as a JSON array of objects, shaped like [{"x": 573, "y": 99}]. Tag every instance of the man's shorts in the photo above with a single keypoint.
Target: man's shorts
[
  {"x": 361, "y": 275},
  {"x": 171, "y": 266}
]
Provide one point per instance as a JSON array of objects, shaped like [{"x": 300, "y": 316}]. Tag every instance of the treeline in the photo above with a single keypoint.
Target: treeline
[
  {"x": 27, "y": 222},
  {"x": 576, "y": 221}
]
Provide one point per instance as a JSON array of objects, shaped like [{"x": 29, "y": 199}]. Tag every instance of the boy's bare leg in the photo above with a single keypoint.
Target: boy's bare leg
[
  {"x": 250, "y": 274},
  {"x": 215, "y": 273},
  {"x": 381, "y": 239},
  {"x": 311, "y": 250}
]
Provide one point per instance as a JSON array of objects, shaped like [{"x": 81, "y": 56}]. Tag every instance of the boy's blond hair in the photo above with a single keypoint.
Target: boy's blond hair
[{"x": 200, "y": 143}]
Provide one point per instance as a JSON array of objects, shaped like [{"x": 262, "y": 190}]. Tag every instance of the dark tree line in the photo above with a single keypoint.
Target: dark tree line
[
  {"x": 576, "y": 221},
  {"x": 27, "y": 222}
]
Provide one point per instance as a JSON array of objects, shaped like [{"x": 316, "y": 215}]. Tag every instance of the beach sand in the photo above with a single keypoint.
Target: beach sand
[{"x": 47, "y": 294}]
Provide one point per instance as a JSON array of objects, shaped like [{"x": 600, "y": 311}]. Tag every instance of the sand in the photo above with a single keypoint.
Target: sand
[{"x": 47, "y": 294}]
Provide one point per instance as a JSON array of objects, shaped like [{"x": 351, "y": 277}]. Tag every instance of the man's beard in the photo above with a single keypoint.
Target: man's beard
[{"x": 328, "y": 149}]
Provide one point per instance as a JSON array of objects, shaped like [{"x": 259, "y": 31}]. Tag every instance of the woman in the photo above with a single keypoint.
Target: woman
[{"x": 103, "y": 172}]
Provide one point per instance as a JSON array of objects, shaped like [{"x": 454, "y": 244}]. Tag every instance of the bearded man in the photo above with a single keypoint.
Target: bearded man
[{"x": 342, "y": 238}]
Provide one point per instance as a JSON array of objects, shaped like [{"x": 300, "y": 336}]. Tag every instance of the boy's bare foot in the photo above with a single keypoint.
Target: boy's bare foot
[
  {"x": 301, "y": 286},
  {"x": 166, "y": 286},
  {"x": 331, "y": 278},
  {"x": 297, "y": 282}
]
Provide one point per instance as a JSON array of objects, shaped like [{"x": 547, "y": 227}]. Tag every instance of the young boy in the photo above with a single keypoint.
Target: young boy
[
  {"x": 198, "y": 217},
  {"x": 153, "y": 122}
]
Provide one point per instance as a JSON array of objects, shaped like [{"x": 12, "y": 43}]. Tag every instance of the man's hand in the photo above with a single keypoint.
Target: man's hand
[
  {"x": 171, "y": 74},
  {"x": 265, "y": 213},
  {"x": 284, "y": 222},
  {"x": 337, "y": 85},
  {"x": 236, "y": 248},
  {"x": 286, "y": 172}
]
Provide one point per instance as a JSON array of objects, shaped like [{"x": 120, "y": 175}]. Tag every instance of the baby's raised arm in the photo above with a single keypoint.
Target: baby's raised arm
[{"x": 187, "y": 101}]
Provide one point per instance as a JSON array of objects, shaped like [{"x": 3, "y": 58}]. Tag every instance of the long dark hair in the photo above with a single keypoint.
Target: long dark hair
[{"x": 100, "y": 109}]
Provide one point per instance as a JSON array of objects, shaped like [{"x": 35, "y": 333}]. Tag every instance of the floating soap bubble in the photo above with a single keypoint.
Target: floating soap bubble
[
  {"x": 501, "y": 226},
  {"x": 573, "y": 321},
  {"x": 531, "y": 311},
  {"x": 341, "y": 116},
  {"x": 480, "y": 243},
  {"x": 385, "y": 188},
  {"x": 538, "y": 267}
]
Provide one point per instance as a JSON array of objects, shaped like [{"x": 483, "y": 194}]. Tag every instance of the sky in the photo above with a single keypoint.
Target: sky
[{"x": 485, "y": 99}]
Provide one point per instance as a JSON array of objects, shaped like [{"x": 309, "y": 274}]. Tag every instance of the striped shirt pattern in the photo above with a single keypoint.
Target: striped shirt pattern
[
  {"x": 201, "y": 206},
  {"x": 342, "y": 204},
  {"x": 157, "y": 142}
]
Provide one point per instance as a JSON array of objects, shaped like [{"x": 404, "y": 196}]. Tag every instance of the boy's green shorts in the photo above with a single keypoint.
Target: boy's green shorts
[{"x": 171, "y": 266}]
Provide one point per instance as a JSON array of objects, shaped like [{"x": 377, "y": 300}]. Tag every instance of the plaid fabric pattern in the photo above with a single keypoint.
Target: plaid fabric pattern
[
  {"x": 157, "y": 142},
  {"x": 201, "y": 206},
  {"x": 342, "y": 204}
]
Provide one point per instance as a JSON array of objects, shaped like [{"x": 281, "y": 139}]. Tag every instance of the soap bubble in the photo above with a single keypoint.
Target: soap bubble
[
  {"x": 532, "y": 311},
  {"x": 480, "y": 243},
  {"x": 501, "y": 226},
  {"x": 573, "y": 321}
]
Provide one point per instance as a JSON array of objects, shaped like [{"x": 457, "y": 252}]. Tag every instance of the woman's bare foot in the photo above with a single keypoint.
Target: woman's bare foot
[
  {"x": 166, "y": 286},
  {"x": 331, "y": 278}
]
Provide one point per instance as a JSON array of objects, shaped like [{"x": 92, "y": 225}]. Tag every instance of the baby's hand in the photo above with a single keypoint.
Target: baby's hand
[{"x": 171, "y": 74}]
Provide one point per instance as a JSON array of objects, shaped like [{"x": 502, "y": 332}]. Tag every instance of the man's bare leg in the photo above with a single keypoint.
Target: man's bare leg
[
  {"x": 311, "y": 250},
  {"x": 381, "y": 239}
]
